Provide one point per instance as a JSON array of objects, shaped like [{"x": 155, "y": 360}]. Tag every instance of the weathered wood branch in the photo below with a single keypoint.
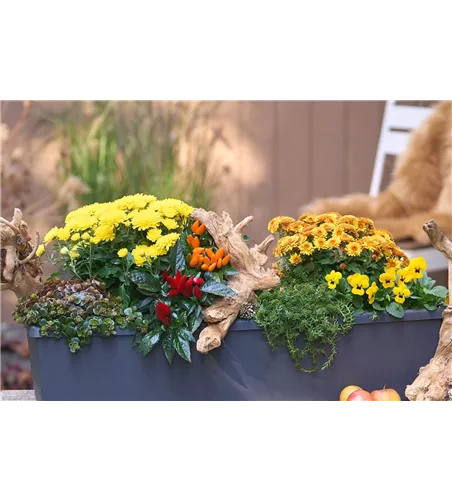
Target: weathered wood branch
[
  {"x": 434, "y": 382},
  {"x": 252, "y": 275},
  {"x": 20, "y": 266}
]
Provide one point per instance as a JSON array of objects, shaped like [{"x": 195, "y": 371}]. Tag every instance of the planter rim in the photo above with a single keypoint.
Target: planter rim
[{"x": 247, "y": 325}]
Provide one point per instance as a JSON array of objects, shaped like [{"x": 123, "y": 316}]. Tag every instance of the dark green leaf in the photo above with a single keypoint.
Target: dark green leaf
[
  {"x": 180, "y": 257},
  {"x": 378, "y": 307},
  {"x": 122, "y": 292},
  {"x": 430, "y": 307},
  {"x": 141, "y": 305},
  {"x": 426, "y": 282},
  {"x": 195, "y": 320},
  {"x": 439, "y": 291},
  {"x": 168, "y": 348},
  {"x": 231, "y": 272},
  {"x": 357, "y": 302},
  {"x": 148, "y": 342},
  {"x": 187, "y": 335},
  {"x": 182, "y": 347},
  {"x": 146, "y": 281},
  {"x": 215, "y": 288},
  {"x": 395, "y": 309}
]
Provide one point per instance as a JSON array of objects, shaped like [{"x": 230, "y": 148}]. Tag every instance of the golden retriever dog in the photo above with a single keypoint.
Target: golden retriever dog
[{"x": 420, "y": 187}]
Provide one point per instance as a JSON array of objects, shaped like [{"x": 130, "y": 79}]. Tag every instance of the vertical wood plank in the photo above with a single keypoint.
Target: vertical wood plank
[
  {"x": 293, "y": 169},
  {"x": 328, "y": 149},
  {"x": 363, "y": 130},
  {"x": 257, "y": 163}
]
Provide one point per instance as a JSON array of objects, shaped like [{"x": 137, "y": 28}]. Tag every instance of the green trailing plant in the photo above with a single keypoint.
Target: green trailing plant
[
  {"x": 302, "y": 315},
  {"x": 75, "y": 309}
]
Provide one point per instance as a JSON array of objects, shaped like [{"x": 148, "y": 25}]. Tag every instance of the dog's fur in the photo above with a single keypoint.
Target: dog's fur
[{"x": 420, "y": 189}]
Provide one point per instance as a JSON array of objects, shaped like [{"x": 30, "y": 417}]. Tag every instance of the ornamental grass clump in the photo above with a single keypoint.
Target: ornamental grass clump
[{"x": 354, "y": 264}]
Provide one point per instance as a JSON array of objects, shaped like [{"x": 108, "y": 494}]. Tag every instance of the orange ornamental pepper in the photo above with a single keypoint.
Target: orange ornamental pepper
[
  {"x": 210, "y": 253},
  {"x": 219, "y": 254},
  {"x": 201, "y": 229},
  {"x": 219, "y": 264},
  {"x": 195, "y": 226},
  {"x": 226, "y": 260},
  {"x": 189, "y": 239},
  {"x": 198, "y": 250},
  {"x": 204, "y": 267},
  {"x": 194, "y": 261},
  {"x": 195, "y": 243},
  {"x": 212, "y": 267}
]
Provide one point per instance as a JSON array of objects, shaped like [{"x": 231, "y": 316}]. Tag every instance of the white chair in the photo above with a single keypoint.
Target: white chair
[{"x": 398, "y": 123}]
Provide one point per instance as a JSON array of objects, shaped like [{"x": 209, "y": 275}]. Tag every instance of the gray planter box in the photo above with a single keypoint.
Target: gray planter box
[{"x": 387, "y": 351}]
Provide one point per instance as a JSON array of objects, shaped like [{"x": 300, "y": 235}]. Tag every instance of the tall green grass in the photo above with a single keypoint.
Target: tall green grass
[{"x": 125, "y": 147}]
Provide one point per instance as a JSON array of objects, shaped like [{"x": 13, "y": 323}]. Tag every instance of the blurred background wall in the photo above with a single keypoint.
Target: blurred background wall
[{"x": 266, "y": 158}]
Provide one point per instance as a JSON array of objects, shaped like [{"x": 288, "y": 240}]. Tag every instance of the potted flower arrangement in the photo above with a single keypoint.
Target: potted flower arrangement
[
  {"x": 141, "y": 272},
  {"x": 340, "y": 274}
]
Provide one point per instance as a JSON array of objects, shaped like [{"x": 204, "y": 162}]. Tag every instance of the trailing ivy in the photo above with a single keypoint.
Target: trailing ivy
[
  {"x": 74, "y": 310},
  {"x": 305, "y": 316}
]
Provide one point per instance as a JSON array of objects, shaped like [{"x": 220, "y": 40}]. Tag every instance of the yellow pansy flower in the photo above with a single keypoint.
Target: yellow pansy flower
[
  {"x": 405, "y": 275},
  {"x": 371, "y": 291},
  {"x": 358, "y": 282},
  {"x": 388, "y": 278},
  {"x": 401, "y": 293},
  {"x": 333, "y": 279},
  {"x": 418, "y": 266}
]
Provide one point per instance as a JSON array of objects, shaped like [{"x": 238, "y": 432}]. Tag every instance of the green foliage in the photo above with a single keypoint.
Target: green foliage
[
  {"x": 74, "y": 310},
  {"x": 303, "y": 315},
  {"x": 125, "y": 147}
]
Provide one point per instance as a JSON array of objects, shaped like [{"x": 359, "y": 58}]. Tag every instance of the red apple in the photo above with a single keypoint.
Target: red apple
[
  {"x": 360, "y": 395},
  {"x": 345, "y": 393},
  {"x": 385, "y": 395}
]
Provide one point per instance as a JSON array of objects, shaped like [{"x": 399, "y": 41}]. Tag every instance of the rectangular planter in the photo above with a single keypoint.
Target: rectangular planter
[{"x": 387, "y": 351}]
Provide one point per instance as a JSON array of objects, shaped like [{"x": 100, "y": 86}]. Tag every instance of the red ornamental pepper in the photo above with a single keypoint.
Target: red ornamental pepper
[
  {"x": 163, "y": 313},
  {"x": 187, "y": 288},
  {"x": 197, "y": 292},
  {"x": 198, "y": 281},
  {"x": 165, "y": 275}
]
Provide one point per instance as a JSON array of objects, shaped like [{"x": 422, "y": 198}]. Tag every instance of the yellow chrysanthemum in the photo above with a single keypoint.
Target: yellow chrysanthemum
[
  {"x": 346, "y": 238},
  {"x": 353, "y": 249},
  {"x": 134, "y": 202},
  {"x": 51, "y": 235},
  {"x": 392, "y": 263},
  {"x": 320, "y": 243},
  {"x": 74, "y": 254},
  {"x": 296, "y": 227},
  {"x": 333, "y": 279},
  {"x": 285, "y": 222},
  {"x": 328, "y": 226},
  {"x": 104, "y": 232},
  {"x": 349, "y": 220},
  {"x": 86, "y": 236},
  {"x": 274, "y": 224},
  {"x": 123, "y": 252},
  {"x": 75, "y": 237},
  {"x": 288, "y": 243},
  {"x": 146, "y": 219},
  {"x": 295, "y": 258},
  {"x": 153, "y": 234},
  {"x": 163, "y": 244},
  {"x": 139, "y": 254},
  {"x": 64, "y": 251},
  {"x": 328, "y": 218},
  {"x": 371, "y": 291},
  {"x": 81, "y": 222},
  {"x": 40, "y": 250},
  {"x": 63, "y": 234},
  {"x": 358, "y": 282},
  {"x": 319, "y": 232},
  {"x": 334, "y": 242},
  {"x": 368, "y": 243},
  {"x": 308, "y": 218},
  {"x": 306, "y": 248},
  {"x": 277, "y": 252},
  {"x": 170, "y": 223},
  {"x": 401, "y": 293},
  {"x": 113, "y": 217}
]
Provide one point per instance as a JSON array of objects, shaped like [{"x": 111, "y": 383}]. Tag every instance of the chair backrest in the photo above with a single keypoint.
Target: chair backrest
[{"x": 398, "y": 123}]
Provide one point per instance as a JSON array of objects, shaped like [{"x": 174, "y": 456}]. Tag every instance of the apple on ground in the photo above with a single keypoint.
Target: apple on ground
[
  {"x": 345, "y": 393},
  {"x": 385, "y": 395},
  {"x": 360, "y": 395}
]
